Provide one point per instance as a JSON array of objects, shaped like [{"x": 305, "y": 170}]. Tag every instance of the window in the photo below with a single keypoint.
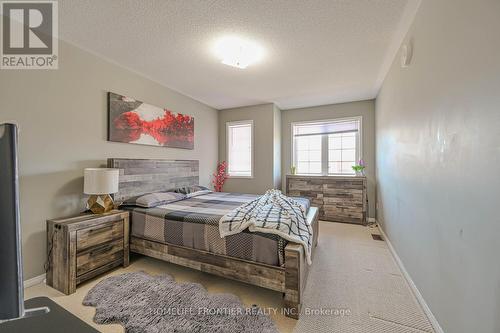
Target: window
[
  {"x": 342, "y": 155},
  {"x": 328, "y": 147},
  {"x": 308, "y": 154},
  {"x": 239, "y": 148}
]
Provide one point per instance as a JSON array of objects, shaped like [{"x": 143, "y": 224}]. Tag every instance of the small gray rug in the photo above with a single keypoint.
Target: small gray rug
[{"x": 144, "y": 303}]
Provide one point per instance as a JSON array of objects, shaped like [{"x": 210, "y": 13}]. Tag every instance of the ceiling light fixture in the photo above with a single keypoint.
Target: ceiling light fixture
[{"x": 238, "y": 52}]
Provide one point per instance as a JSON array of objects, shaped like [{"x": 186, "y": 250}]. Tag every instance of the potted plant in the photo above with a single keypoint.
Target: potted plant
[{"x": 359, "y": 168}]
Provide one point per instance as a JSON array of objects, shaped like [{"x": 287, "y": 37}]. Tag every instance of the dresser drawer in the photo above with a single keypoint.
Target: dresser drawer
[
  {"x": 344, "y": 184},
  {"x": 89, "y": 237},
  {"x": 354, "y": 196},
  {"x": 355, "y": 200},
  {"x": 339, "y": 213},
  {"x": 98, "y": 256},
  {"x": 300, "y": 185}
]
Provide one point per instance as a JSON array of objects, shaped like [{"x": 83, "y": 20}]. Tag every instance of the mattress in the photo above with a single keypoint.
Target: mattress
[{"x": 194, "y": 223}]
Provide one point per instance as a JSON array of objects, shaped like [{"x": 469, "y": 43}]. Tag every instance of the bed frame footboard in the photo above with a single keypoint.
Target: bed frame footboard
[
  {"x": 297, "y": 270},
  {"x": 290, "y": 279}
]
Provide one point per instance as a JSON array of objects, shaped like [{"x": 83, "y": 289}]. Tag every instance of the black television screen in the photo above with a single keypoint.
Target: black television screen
[{"x": 11, "y": 280}]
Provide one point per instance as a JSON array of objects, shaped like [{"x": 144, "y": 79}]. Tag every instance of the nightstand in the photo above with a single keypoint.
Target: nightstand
[{"x": 82, "y": 247}]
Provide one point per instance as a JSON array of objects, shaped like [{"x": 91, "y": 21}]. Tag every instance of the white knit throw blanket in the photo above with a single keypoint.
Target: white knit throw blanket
[{"x": 272, "y": 213}]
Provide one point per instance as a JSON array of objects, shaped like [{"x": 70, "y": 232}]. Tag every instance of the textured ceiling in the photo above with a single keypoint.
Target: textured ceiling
[{"x": 317, "y": 51}]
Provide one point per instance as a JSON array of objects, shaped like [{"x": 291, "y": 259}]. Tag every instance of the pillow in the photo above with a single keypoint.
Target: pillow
[
  {"x": 151, "y": 200},
  {"x": 191, "y": 189},
  {"x": 197, "y": 193}
]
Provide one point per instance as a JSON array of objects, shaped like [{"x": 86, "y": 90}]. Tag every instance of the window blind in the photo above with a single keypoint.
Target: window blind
[
  {"x": 320, "y": 128},
  {"x": 240, "y": 149}
]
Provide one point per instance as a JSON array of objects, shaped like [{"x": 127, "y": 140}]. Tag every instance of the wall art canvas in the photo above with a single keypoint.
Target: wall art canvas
[{"x": 132, "y": 121}]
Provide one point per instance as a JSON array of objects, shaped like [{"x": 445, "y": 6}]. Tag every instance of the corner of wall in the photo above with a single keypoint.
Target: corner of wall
[{"x": 277, "y": 147}]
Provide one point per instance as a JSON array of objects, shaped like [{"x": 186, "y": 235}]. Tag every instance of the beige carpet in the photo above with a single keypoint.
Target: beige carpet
[
  {"x": 351, "y": 272},
  {"x": 358, "y": 273}
]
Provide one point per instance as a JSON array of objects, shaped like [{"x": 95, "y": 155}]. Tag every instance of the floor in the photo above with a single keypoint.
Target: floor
[{"x": 354, "y": 286}]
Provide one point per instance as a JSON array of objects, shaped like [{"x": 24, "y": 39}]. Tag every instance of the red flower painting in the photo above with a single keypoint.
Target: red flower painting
[{"x": 132, "y": 121}]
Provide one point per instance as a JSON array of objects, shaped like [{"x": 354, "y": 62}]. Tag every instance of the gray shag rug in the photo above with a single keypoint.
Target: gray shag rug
[{"x": 144, "y": 303}]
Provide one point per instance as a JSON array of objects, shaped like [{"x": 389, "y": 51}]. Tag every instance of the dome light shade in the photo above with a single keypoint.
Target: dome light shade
[{"x": 238, "y": 52}]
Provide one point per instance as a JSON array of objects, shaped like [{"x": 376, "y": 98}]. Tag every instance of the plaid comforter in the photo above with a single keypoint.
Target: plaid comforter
[
  {"x": 194, "y": 223},
  {"x": 272, "y": 213}
]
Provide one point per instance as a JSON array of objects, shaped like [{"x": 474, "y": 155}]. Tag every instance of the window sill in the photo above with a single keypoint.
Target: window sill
[{"x": 240, "y": 177}]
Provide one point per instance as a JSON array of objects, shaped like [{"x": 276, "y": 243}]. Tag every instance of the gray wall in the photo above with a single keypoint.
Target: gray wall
[
  {"x": 438, "y": 156},
  {"x": 62, "y": 119},
  {"x": 366, "y": 109},
  {"x": 263, "y": 117}
]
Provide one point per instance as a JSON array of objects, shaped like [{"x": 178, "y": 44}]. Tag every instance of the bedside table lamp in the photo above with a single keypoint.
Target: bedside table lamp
[{"x": 99, "y": 183}]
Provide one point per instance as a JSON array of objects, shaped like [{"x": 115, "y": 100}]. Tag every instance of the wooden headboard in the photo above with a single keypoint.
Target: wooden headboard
[{"x": 141, "y": 176}]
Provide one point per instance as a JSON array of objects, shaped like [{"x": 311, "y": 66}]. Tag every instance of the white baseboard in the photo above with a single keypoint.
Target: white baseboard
[
  {"x": 34, "y": 281},
  {"x": 413, "y": 287}
]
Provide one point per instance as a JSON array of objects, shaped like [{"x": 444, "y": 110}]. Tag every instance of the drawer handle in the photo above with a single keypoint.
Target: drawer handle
[
  {"x": 99, "y": 230},
  {"x": 101, "y": 250}
]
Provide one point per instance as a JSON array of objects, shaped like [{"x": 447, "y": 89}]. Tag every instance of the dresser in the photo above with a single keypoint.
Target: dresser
[
  {"x": 339, "y": 198},
  {"x": 84, "y": 246}
]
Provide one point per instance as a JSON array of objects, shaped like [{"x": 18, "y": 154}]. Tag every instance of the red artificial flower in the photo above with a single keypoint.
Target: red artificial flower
[{"x": 220, "y": 176}]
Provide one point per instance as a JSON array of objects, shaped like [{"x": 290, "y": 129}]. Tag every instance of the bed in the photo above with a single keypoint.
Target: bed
[{"x": 186, "y": 232}]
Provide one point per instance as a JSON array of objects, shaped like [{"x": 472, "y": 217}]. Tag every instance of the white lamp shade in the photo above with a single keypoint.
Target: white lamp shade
[{"x": 100, "y": 180}]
